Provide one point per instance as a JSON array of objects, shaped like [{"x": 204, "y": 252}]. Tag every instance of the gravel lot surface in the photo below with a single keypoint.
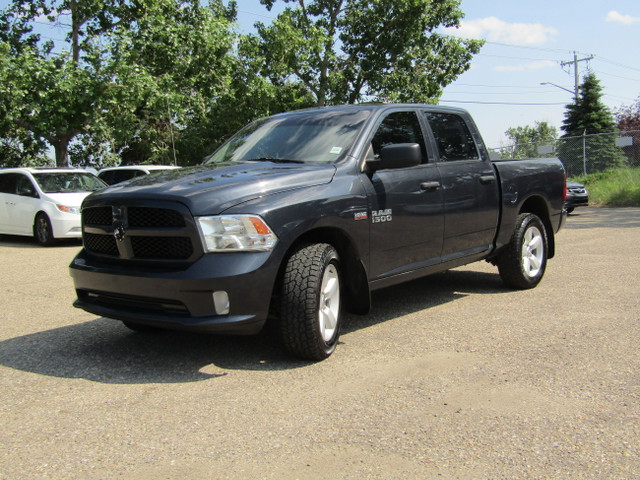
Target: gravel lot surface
[{"x": 452, "y": 376}]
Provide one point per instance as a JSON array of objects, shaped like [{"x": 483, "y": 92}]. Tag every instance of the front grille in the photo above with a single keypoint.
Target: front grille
[
  {"x": 104, "y": 244},
  {"x": 97, "y": 216},
  {"x": 154, "y": 217},
  {"x": 140, "y": 232},
  {"x": 174, "y": 248}
]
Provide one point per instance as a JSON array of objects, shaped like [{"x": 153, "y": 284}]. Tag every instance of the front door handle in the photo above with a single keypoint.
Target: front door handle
[
  {"x": 484, "y": 179},
  {"x": 429, "y": 185}
]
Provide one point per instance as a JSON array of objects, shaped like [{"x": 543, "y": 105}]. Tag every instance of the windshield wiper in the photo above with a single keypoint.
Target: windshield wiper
[{"x": 273, "y": 159}]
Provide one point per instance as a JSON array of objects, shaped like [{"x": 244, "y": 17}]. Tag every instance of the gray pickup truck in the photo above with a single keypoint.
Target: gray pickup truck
[{"x": 300, "y": 216}]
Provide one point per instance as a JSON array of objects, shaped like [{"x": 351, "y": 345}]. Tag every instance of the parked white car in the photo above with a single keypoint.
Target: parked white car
[
  {"x": 113, "y": 175},
  {"x": 44, "y": 202}
]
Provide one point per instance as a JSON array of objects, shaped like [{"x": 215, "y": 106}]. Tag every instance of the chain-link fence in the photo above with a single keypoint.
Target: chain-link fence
[{"x": 583, "y": 154}]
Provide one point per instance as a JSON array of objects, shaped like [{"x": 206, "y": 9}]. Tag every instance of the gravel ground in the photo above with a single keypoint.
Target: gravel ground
[{"x": 452, "y": 376}]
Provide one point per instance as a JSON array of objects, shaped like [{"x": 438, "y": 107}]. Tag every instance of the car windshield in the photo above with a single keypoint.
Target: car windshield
[
  {"x": 314, "y": 136},
  {"x": 68, "y": 182}
]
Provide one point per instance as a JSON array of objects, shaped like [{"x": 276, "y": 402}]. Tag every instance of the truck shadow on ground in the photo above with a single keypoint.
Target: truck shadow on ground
[{"x": 105, "y": 351}]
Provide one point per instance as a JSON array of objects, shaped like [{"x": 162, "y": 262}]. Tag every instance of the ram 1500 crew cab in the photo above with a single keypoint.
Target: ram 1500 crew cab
[{"x": 302, "y": 215}]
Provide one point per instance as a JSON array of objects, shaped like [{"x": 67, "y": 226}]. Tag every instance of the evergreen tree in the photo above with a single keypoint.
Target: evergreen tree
[{"x": 586, "y": 120}]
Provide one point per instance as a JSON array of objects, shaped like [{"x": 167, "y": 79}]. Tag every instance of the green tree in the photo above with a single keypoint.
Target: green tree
[
  {"x": 168, "y": 72},
  {"x": 130, "y": 78},
  {"x": 586, "y": 120},
  {"x": 345, "y": 51},
  {"x": 628, "y": 120},
  {"x": 250, "y": 95},
  {"x": 55, "y": 96},
  {"x": 527, "y": 139},
  {"x": 628, "y": 117}
]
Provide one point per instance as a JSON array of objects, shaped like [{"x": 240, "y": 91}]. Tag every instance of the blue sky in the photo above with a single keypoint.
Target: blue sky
[{"x": 527, "y": 41}]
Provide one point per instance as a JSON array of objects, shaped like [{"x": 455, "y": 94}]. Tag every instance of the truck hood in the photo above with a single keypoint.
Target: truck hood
[{"x": 211, "y": 189}]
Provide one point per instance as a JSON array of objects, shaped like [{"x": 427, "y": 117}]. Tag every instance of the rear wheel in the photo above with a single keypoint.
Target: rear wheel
[
  {"x": 42, "y": 230},
  {"x": 522, "y": 263},
  {"x": 311, "y": 304}
]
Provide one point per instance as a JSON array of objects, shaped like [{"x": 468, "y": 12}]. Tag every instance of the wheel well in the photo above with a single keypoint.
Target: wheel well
[
  {"x": 354, "y": 277},
  {"x": 538, "y": 206}
]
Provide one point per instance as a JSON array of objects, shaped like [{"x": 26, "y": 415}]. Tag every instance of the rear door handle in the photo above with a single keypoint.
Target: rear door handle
[{"x": 429, "y": 185}]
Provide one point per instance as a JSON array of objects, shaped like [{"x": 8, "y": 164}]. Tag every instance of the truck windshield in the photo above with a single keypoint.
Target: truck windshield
[
  {"x": 68, "y": 182},
  {"x": 315, "y": 136}
]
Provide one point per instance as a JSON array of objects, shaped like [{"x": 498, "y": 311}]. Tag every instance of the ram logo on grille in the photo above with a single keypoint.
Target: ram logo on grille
[{"x": 118, "y": 232}]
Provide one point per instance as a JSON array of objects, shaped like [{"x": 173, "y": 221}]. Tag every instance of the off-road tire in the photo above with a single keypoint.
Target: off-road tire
[{"x": 311, "y": 307}]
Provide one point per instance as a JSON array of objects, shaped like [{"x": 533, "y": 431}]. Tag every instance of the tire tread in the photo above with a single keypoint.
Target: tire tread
[{"x": 298, "y": 310}]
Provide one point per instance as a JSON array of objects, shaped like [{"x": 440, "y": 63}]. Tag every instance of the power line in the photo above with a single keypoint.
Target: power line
[
  {"x": 256, "y": 14},
  {"x": 514, "y": 58},
  {"x": 526, "y": 47},
  {"x": 617, "y": 64},
  {"x": 562, "y": 51},
  {"x": 539, "y": 92},
  {"x": 620, "y": 77},
  {"x": 529, "y": 104}
]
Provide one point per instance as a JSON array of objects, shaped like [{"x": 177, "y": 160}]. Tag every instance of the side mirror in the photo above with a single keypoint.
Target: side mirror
[
  {"x": 27, "y": 192},
  {"x": 397, "y": 155}
]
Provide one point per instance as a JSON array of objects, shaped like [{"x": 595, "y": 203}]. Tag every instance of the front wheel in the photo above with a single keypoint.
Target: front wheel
[
  {"x": 311, "y": 305},
  {"x": 42, "y": 230},
  {"x": 523, "y": 261}
]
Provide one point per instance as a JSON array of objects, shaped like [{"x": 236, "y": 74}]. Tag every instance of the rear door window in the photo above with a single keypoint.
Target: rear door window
[{"x": 453, "y": 138}]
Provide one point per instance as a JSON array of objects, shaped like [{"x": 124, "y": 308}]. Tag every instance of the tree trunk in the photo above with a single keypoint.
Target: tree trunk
[{"x": 61, "y": 148}]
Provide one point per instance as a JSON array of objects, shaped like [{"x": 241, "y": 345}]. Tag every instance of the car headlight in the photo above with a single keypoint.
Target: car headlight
[
  {"x": 233, "y": 233},
  {"x": 67, "y": 209}
]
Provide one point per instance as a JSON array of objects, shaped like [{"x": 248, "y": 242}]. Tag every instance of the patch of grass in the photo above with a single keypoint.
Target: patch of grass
[{"x": 614, "y": 188}]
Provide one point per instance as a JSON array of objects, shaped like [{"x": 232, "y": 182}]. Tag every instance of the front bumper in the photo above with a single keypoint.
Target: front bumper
[
  {"x": 577, "y": 201},
  {"x": 180, "y": 299},
  {"x": 66, "y": 225}
]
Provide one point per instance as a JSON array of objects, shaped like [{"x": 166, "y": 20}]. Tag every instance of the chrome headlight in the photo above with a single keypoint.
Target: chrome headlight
[{"x": 234, "y": 233}]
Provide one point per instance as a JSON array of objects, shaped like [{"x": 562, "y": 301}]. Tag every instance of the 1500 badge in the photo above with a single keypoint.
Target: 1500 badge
[{"x": 379, "y": 216}]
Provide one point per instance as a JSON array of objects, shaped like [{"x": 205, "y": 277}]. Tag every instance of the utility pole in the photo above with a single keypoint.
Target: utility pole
[{"x": 575, "y": 70}]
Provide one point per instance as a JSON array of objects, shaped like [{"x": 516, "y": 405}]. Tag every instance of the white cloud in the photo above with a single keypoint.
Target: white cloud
[
  {"x": 496, "y": 30},
  {"x": 537, "y": 65},
  {"x": 614, "y": 16}
]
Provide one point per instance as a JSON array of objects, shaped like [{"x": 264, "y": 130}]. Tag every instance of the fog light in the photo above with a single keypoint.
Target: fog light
[{"x": 221, "y": 302}]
